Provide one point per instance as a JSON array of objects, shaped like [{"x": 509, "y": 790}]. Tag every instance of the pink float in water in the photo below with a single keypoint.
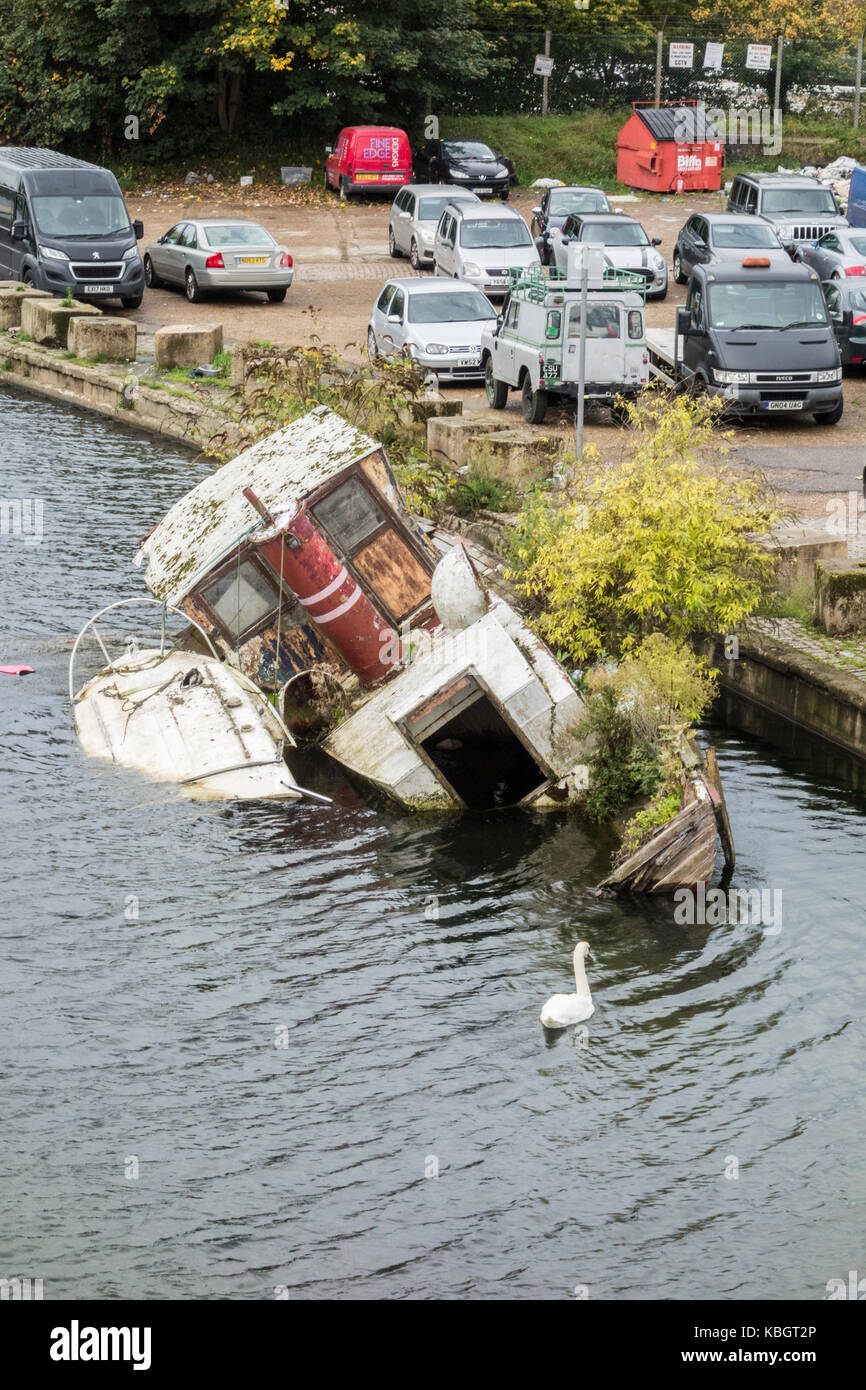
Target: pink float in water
[{"x": 16, "y": 670}]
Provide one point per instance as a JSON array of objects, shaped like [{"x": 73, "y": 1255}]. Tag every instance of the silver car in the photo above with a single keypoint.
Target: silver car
[
  {"x": 836, "y": 254},
  {"x": 437, "y": 323},
  {"x": 415, "y": 214},
  {"x": 626, "y": 246},
  {"x": 219, "y": 253}
]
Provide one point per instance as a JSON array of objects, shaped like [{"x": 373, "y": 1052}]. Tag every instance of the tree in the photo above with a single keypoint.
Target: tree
[{"x": 654, "y": 544}]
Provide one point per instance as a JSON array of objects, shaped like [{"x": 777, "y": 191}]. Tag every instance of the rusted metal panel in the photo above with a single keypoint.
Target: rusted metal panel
[{"x": 394, "y": 574}]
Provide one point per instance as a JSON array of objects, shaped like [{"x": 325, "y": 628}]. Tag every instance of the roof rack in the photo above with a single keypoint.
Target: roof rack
[{"x": 535, "y": 282}]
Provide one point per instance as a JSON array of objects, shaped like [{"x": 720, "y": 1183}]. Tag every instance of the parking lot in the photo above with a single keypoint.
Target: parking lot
[{"x": 340, "y": 251}]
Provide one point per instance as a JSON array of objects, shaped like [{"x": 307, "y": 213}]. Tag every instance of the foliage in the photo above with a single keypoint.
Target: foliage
[
  {"x": 479, "y": 490},
  {"x": 661, "y": 808},
  {"x": 654, "y": 543},
  {"x": 286, "y": 382},
  {"x": 622, "y": 766},
  {"x": 636, "y": 715},
  {"x": 427, "y": 486}
]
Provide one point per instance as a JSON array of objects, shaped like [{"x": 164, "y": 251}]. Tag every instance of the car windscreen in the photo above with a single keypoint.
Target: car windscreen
[
  {"x": 467, "y": 149},
  {"x": 452, "y": 306},
  {"x": 767, "y": 304},
  {"x": 742, "y": 235},
  {"x": 496, "y": 232},
  {"x": 237, "y": 234},
  {"x": 614, "y": 234},
  {"x": 561, "y": 204},
  {"x": 90, "y": 214},
  {"x": 797, "y": 202},
  {"x": 431, "y": 209}
]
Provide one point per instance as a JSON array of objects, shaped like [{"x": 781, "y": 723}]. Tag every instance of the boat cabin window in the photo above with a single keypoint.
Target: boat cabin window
[
  {"x": 349, "y": 514},
  {"x": 241, "y": 598}
]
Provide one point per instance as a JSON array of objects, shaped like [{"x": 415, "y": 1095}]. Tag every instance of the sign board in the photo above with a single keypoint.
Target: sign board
[
  {"x": 713, "y": 54},
  {"x": 581, "y": 4},
  {"x": 543, "y": 66},
  {"x": 758, "y": 56},
  {"x": 681, "y": 55}
]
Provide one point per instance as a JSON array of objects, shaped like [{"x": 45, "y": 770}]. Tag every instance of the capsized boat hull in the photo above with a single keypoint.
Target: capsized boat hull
[{"x": 187, "y": 719}]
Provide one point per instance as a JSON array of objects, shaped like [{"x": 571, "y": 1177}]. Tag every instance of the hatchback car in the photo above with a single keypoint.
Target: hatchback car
[
  {"x": 481, "y": 245},
  {"x": 415, "y": 213},
  {"x": 437, "y": 323},
  {"x": 219, "y": 253},
  {"x": 713, "y": 237},
  {"x": 626, "y": 246},
  {"x": 559, "y": 203},
  {"x": 836, "y": 255},
  {"x": 846, "y": 305},
  {"x": 467, "y": 162}
]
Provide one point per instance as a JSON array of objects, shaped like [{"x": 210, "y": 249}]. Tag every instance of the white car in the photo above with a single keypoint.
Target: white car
[
  {"x": 626, "y": 246},
  {"x": 481, "y": 245},
  {"x": 437, "y": 323},
  {"x": 415, "y": 214}
]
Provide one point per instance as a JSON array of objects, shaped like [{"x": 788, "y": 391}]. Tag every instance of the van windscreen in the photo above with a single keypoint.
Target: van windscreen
[
  {"x": 499, "y": 232},
  {"x": 67, "y": 215},
  {"x": 767, "y": 304}
]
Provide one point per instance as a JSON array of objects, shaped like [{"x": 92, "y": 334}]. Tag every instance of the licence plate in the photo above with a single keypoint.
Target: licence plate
[
  {"x": 468, "y": 361},
  {"x": 784, "y": 405},
  {"x": 252, "y": 260},
  {"x": 497, "y": 279},
  {"x": 99, "y": 289}
]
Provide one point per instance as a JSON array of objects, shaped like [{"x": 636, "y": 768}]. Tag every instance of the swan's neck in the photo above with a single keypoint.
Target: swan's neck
[{"x": 581, "y": 985}]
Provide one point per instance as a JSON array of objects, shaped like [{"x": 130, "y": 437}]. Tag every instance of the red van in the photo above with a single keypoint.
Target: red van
[{"x": 371, "y": 157}]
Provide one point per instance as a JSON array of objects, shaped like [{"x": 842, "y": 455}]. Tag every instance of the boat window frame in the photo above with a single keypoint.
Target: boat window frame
[
  {"x": 241, "y": 556},
  {"x": 393, "y": 521}
]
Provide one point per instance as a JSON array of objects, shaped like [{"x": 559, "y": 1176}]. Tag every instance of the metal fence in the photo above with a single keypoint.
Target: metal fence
[{"x": 814, "y": 78}]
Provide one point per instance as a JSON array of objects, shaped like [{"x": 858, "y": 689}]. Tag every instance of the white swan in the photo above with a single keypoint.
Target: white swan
[{"x": 562, "y": 1010}]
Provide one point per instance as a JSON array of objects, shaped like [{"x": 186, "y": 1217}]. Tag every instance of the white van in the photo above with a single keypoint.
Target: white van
[{"x": 482, "y": 244}]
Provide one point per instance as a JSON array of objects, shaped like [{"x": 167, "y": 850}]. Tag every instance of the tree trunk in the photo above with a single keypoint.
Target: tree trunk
[{"x": 228, "y": 100}]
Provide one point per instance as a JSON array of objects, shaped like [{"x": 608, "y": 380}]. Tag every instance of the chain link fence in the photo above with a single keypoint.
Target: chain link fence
[{"x": 817, "y": 79}]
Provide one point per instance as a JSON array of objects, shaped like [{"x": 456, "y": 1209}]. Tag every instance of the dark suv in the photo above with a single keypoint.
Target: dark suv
[{"x": 797, "y": 206}]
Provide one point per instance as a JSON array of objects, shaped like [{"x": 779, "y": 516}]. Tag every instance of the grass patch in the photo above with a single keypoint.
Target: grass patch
[{"x": 798, "y": 605}]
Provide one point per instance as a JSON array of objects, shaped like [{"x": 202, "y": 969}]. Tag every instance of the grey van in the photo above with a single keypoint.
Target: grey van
[{"x": 63, "y": 223}]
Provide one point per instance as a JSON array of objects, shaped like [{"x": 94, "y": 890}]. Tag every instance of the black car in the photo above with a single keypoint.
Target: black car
[
  {"x": 467, "y": 163},
  {"x": 846, "y": 305},
  {"x": 559, "y": 203}
]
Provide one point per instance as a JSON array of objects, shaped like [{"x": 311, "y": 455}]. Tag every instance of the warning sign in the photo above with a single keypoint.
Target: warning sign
[
  {"x": 681, "y": 55},
  {"x": 758, "y": 56}
]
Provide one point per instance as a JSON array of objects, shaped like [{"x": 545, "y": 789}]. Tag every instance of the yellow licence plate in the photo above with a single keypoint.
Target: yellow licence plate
[{"x": 253, "y": 260}]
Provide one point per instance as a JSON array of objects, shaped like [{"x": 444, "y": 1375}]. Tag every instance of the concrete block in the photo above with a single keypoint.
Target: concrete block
[
  {"x": 515, "y": 457},
  {"x": 188, "y": 345},
  {"x": 451, "y": 436},
  {"x": 840, "y": 595},
  {"x": 47, "y": 320},
  {"x": 12, "y": 297},
  {"x": 798, "y": 549},
  {"x": 111, "y": 338}
]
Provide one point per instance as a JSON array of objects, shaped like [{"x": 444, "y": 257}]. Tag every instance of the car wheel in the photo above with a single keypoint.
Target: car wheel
[
  {"x": 414, "y": 256},
  {"x": 495, "y": 390},
  {"x": 372, "y": 349},
  {"x": 344, "y": 189},
  {"x": 534, "y": 403},
  {"x": 151, "y": 279},
  {"x": 393, "y": 248},
  {"x": 193, "y": 293},
  {"x": 27, "y": 278},
  {"x": 830, "y": 417},
  {"x": 276, "y": 296},
  {"x": 131, "y": 301},
  {"x": 678, "y": 269}
]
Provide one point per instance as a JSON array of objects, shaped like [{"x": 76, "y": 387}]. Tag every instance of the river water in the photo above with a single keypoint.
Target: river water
[{"x": 240, "y": 1042}]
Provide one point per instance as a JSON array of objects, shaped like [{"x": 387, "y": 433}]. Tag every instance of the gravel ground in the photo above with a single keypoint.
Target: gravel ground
[{"x": 341, "y": 257}]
